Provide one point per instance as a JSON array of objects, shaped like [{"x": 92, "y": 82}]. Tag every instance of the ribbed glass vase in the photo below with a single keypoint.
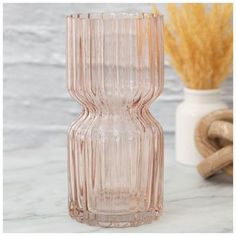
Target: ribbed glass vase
[{"x": 115, "y": 147}]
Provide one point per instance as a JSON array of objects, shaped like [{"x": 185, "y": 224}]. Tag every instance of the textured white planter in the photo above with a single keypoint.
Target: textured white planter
[{"x": 196, "y": 104}]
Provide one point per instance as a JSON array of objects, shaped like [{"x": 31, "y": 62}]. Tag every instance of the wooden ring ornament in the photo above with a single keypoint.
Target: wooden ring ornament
[
  {"x": 213, "y": 133},
  {"x": 221, "y": 129},
  {"x": 216, "y": 161}
]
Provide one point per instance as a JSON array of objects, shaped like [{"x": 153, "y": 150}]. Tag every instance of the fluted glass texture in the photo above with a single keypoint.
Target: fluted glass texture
[{"x": 115, "y": 147}]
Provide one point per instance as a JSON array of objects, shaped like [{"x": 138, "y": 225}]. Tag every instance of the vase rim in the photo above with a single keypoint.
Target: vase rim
[
  {"x": 115, "y": 15},
  {"x": 202, "y": 91}
]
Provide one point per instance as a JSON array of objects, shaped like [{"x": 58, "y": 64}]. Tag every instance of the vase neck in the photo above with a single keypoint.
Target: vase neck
[{"x": 202, "y": 96}]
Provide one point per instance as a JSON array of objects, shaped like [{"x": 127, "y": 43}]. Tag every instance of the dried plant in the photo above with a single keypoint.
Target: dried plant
[{"x": 199, "y": 41}]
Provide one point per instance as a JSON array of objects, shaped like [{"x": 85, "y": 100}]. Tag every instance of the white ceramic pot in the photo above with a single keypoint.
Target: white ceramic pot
[{"x": 196, "y": 104}]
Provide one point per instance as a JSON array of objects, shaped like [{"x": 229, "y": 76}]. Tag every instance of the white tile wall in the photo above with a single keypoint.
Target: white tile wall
[{"x": 37, "y": 107}]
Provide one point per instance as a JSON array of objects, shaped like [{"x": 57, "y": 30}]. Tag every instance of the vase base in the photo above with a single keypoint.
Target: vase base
[{"x": 116, "y": 221}]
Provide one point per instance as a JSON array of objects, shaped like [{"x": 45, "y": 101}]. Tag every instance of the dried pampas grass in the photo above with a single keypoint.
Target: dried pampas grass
[{"x": 199, "y": 41}]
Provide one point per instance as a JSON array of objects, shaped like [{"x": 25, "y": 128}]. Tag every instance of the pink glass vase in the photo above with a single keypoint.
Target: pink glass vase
[{"x": 115, "y": 147}]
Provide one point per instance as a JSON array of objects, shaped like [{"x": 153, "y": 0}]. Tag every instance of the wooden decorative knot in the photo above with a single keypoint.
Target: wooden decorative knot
[{"x": 214, "y": 140}]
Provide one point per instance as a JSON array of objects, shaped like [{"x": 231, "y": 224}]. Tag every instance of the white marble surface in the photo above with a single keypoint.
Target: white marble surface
[{"x": 35, "y": 197}]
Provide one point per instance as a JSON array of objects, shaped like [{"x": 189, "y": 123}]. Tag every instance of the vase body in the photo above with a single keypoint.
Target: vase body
[
  {"x": 196, "y": 104},
  {"x": 115, "y": 147}
]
